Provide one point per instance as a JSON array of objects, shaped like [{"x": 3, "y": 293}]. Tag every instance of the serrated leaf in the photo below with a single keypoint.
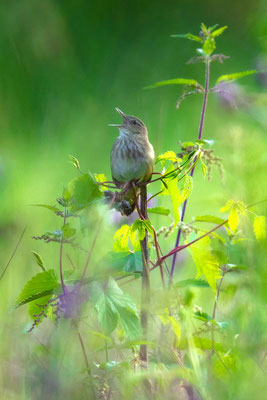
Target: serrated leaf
[
  {"x": 36, "y": 307},
  {"x": 204, "y": 167},
  {"x": 159, "y": 210},
  {"x": 188, "y": 36},
  {"x": 209, "y": 46},
  {"x": 39, "y": 260},
  {"x": 48, "y": 207},
  {"x": 204, "y": 28},
  {"x": 177, "y": 81},
  {"x": 114, "y": 306},
  {"x": 218, "y": 32},
  {"x": 235, "y": 76},
  {"x": 101, "y": 178},
  {"x": 167, "y": 156},
  {"x": 206, "y": 262},
  {"x": 121, "y": 237},
  {"x": 202, "y": 316},
  {"x": 187, "y": 187},
  {"x": 75, "y": 162},
  {"x": 259, "y": 227},
  {"x": 129, "y": 262},
  {"x": 40, "y": 285},
  {"x": 200, "y": 283},
  {"x": 209, "y": 218},
  {"x": 173, "y": 191},
  {"x": 83, "y": 191},
  {"x": 236, "y": 208}
]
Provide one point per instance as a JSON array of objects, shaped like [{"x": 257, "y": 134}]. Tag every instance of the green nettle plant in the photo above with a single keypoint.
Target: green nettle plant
[{"x": 163, "y": 352}]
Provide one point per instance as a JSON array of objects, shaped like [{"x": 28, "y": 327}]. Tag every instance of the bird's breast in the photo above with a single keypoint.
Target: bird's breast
[{"x": 132, "y": 159}]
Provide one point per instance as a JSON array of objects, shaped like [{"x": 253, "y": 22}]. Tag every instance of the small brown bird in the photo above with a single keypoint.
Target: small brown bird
[{"x": 131, "y": 159}]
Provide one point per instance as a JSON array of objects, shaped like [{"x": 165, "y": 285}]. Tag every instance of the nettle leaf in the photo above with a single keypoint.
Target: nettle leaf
[
  {"x": 236, "y": 208},
  {"x": 173, "y": 191},
  {"x": 35, "y": 309},
  {"x": 83, "y": 191},
  {"x": 67, "y": 231},
  {"x": 202, "y": 316},
  {"x": 40, "y": 285},
  {"x": 206, "y": 262},
  {"x": 208, "y": 218},
  {"x": 218, "y": 32},
  {"x": 187, "y": 187},
  {"x": 126, "y": 232},
  {"x": 141, "y": 226},
  {"x": 114, "y": 306},
  {"x": 39, "y": 260},
  {"x": 200, "y": 283},
  {"x": 235, "y": 76},
  {"x": 101, "y": 178},
  {"x": 48, "y": 207},
  {"x": 188, "y": 36},
  {"x": 75, "y": 162},
  {"x": 209, "y": 46},
  {"x": 159, "y": 210},
  {"x": 167, "y": 156},
  {"x": 177, "y": 81},
  {"x": 128, "y": 261},
  {"x": 259, "y": 227}
]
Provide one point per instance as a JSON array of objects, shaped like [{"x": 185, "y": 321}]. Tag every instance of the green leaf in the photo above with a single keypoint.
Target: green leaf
[
  {"x": 38, "y": 286},
  {"x": 236, "y": 208},
  {"x": 209, "y": 46},
  {"x": 128, "y": 261},
  {"x": 200, "y": 283},
  {"x": 165, "y": 319},
  {"x": 259, "y": 227},
  {"x": 188, "y": 36},
  {"x": 204, "y": 28},
  {"x": 36, "y": 307},
  {"x": 173, "y": 190},
  {"x": 202, "y": 316},
  {"x": 83, "y": 191},
  {"x": 206, "y": 262},
  {"x": 67, "y": 231},
  {"x": 51, "y": 208},
  {"x": 39, "y": 260},
  {"x": 235, "y": 76},
  {"x": 218, "y": 32},
  {"x": 75, "y": 162},
  {"x": 141, "y": 226},
  {"x": 159, "y": 210},
  {"x": 204, "y": 167},
  {"x": 208, "y": 218},
  {"x": 187, "y": 187},
  {"x": 101, "y": 178},
  {"x": 177, "y": 81},
  {"x": 114, "y": 306},
  {"x": 167, "y": 156},
  {"x": 121, "y": 237}
]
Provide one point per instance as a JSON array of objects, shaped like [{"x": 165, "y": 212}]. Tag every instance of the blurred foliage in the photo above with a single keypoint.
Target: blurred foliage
[{"x": 64, "y": 66}]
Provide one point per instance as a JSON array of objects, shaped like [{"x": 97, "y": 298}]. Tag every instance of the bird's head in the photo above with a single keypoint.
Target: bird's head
[{"x": 131, "y": 125}]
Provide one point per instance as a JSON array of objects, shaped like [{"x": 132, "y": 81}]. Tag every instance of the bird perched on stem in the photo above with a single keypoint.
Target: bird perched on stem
[{"x": 131, "y": 160}]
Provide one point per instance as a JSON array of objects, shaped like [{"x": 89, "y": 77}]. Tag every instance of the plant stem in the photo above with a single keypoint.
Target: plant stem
[
  {"x": 214, "y": 310},
  {"x": 145, "y": 295},
  {"x": 61, "y": 257},
  {"x": 200, "y": 131}
]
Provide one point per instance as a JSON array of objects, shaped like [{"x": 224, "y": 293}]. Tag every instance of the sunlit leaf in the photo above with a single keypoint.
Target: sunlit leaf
[
  {"x": 187, "y": 187},
  {"x": 209, "y": 46},
  {"x": 48, "y": 207},
  {"x": 177, "y": 81},
  {"x": 235, "y": 208},
  {"x": 67, "y": 231},
  {"x": 168, "y": 319},
  {"x": 167, "y": 156},
  {"x": 209, "y": 218},
  {"x": 218, "y": 32},
  {"x": 235, "y": 76},
  {"x": 200, "y": 283},
  {"x": 259, "y": 227},
  {"x": 173, "y": 190},
  {"x": 75, "y": 162},
  {"x": 206, "y": 262},
  {"x": 101, "y": 178}
]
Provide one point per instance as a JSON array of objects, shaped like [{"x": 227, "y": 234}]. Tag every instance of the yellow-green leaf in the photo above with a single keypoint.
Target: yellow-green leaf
[
  {"x": 259, "y": 227},
  {"x": 235, "y": 76},
  {"x": 167, "y": 156},
  {"x": 206, "y": 262},
  {"x": 173, "y": 191},
  {"x": 218, "y": 32},
  {"x": 233, "y": 219}
]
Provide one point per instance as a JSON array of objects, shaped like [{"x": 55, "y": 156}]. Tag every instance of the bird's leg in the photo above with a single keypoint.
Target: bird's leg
[{"x": 136, "y": 199}]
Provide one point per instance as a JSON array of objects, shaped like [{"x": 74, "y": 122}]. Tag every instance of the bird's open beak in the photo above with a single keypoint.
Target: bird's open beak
[{"x": 123, "y": 117}]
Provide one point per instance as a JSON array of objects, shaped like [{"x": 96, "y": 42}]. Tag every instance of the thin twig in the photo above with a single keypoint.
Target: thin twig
[
  {"x": 14, "y": 252},
  {"x": 61, "y": 257},
  {"x": 207, "y": 77}
]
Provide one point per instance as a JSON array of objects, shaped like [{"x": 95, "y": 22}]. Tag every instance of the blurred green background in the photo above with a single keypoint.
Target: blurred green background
[{"x": 64, "y": 67}]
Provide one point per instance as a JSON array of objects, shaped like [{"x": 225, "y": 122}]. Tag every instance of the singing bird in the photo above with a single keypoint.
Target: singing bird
[{"x": 131, "y": 158}]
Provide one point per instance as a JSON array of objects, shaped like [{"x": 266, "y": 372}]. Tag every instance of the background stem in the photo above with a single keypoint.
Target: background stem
[
  {"x": 145, "y": 295},
  {"x": 203, "y": 111}
]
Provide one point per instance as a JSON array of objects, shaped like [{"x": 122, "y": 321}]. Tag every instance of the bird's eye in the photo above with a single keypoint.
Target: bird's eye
[{"x": 134, "y": 122}]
